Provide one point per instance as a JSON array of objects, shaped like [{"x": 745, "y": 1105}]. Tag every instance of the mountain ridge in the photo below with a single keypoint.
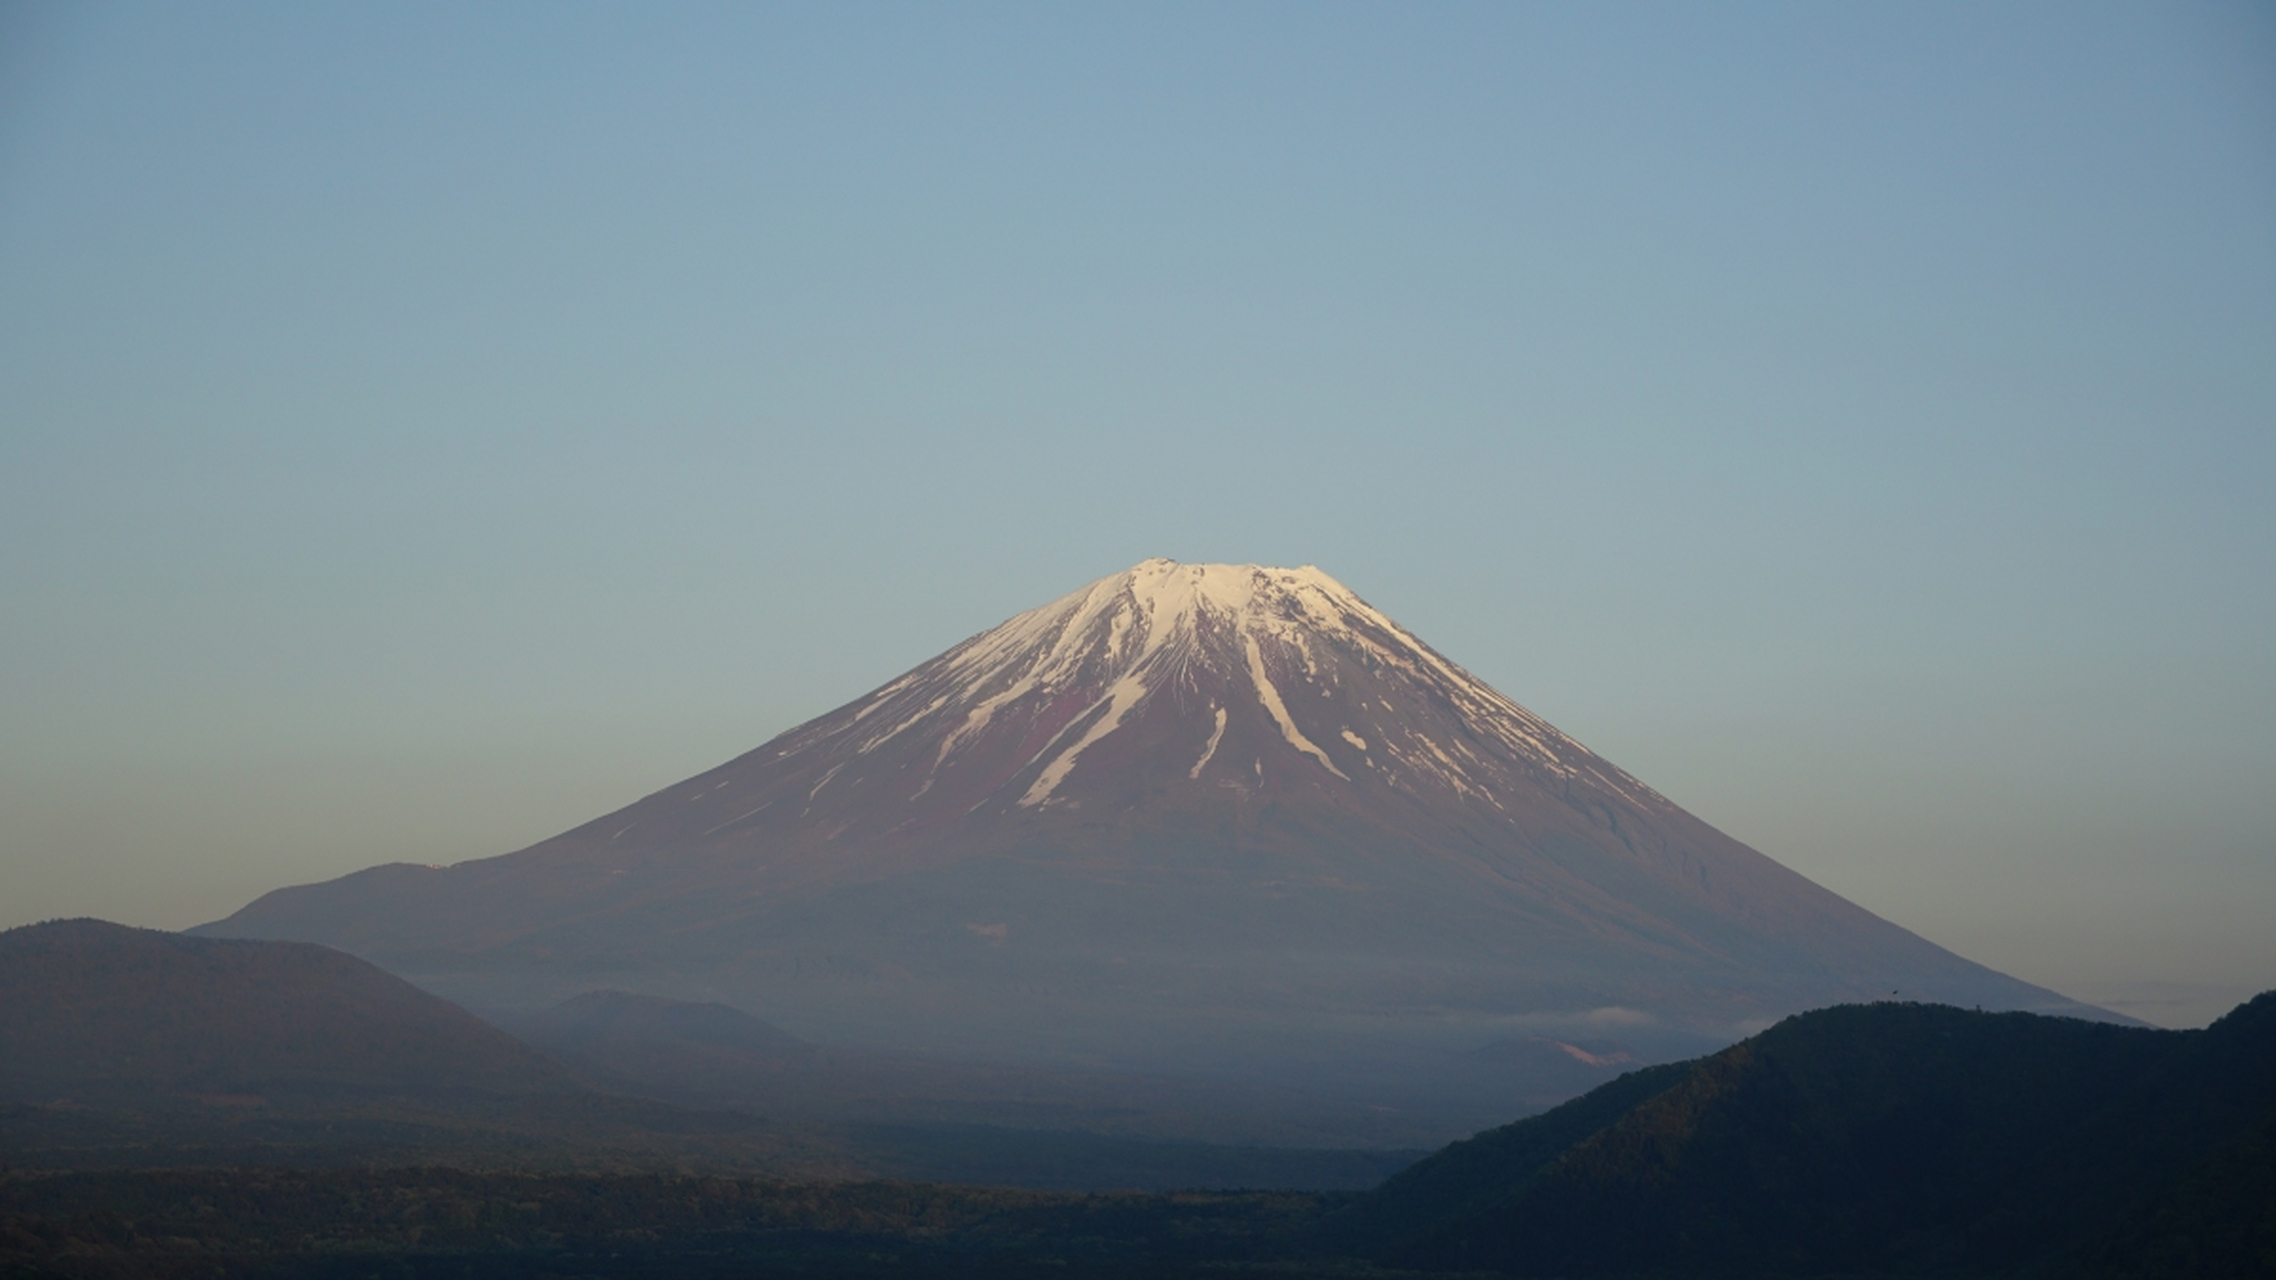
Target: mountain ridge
[
  {"x": 1193, "y": 814},
  {"x": 1891, "y": 1138},
  {"x": 102, "y": 1011}
]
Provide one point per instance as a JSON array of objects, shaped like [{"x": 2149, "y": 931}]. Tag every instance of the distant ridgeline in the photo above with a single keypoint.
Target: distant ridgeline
[{"x": 1861, "y": 1140}]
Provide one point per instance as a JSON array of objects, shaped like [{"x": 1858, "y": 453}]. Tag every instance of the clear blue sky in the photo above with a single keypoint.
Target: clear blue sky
[{"x": 423, "y": 428}]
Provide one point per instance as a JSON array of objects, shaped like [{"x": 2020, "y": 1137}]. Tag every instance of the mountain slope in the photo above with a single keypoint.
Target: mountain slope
[
  {"x": 1190, "y": 815},
  {"x": 126, "y": 1048},
  {"x": 1885, "y": 1139},
  {"x": 101, "y": 1012}
]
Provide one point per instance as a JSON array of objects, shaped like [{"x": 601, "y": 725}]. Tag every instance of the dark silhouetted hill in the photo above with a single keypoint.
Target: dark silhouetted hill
[
  {"x": 99, "y": 1012},
  {"x": 1875, "y": 1139},
  {"x": 131, "y": 1048},
  {"x": 1863, "y": 1141}
]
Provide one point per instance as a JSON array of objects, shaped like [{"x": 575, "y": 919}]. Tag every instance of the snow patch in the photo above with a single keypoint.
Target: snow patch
[
  {"x": 825, "y": 780},
  {"x": 1211, "y": 749},
  {"x": 1270, "y": 697},
  {"x": 1127, "y": 692},
  {"x": 880, "y": 740},
  {"x": 731, "y": 821},
  {"x": 1180, "y": 625},
  {"x": 882, "y": 696}
]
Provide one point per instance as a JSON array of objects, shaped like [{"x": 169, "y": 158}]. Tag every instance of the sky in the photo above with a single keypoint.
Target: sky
[{"x": 424, "y": 428}]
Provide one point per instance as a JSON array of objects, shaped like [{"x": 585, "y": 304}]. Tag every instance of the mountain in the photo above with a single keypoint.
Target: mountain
[
  {"x": 887, "y": 1104},
  {"x": 1888, "y": 1139},
  {"x": 1200, "y": 818},
  {"x": 132, "y": 1048},
  {"x": 1891, "y": 1140},
  {"x": 601, "y": 1018},
  {"x": 704, "y": 1053},
  {"x": 96, "y": 1012}
]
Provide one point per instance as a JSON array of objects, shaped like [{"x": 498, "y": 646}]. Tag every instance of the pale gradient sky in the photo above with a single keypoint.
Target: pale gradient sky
[{"x": 424, "y": 428}]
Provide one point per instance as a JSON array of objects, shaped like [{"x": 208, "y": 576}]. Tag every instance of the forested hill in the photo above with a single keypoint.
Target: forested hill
[
  {"x": 1866, "y": 1141},
  {"x": 1875, "y": 1139},
  {"x": 102, "y": 1013}
]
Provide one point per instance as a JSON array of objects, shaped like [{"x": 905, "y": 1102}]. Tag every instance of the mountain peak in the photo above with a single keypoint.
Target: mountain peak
[
  {"x": 1304, "y": 687},
  {"x": 1157, "y": 602},
  {"x": 1182, "y": 788},
  {"x": 1230, "y": 588},
  {"x": 1142, "y": 630}
]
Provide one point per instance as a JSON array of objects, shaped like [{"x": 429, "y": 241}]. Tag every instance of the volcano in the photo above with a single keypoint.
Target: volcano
[{"x": 1189, "y": 817}]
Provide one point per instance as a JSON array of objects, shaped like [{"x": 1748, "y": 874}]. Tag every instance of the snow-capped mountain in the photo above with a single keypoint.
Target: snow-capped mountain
[{"x": 1184, "y": 813}]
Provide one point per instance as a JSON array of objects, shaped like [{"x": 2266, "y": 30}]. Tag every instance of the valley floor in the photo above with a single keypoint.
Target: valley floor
[{"x": 443, "y": 1222}]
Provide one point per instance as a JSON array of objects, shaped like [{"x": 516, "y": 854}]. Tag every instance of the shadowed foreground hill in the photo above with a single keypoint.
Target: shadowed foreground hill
[
  {"x": 130, "y": 1048},
  {"x": 124, "y": 1047},
  {"x": 98, "y": 1012},
  {"x": 1865, "y": 1141},
  {"x": 1881, "y": 1139}
]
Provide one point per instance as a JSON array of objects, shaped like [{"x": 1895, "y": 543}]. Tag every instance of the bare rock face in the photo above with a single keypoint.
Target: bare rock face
[{"x": 1206, "y": 817}]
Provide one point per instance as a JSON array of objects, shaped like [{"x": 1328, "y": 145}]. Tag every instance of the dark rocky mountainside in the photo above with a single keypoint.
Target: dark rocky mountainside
[{"x": 1196, "y": 818}]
